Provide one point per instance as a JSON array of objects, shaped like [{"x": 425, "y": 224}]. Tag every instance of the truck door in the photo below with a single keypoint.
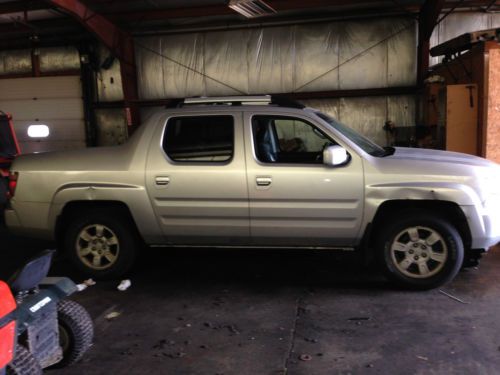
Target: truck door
[
  {"x": 196, "y": 179},
  {"x": 296, "y": 200}
]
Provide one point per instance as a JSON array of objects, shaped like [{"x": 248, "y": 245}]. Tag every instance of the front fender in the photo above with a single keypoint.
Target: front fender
[{"x": 462, "y": 195}]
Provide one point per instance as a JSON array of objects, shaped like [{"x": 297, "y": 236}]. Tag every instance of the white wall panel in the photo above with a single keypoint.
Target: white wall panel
[
  {"x": 60, "y": 130},
  {"x": 52, "y": 101},
  {"x": 53, "y": 109},
  {"x": 40, "y": 88}
]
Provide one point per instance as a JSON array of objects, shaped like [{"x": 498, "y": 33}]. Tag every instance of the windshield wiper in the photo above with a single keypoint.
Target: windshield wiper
[{"x": 388, "y": 151}]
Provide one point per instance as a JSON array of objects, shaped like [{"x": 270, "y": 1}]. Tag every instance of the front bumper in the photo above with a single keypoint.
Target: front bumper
[{"x": 484, "y": 226}]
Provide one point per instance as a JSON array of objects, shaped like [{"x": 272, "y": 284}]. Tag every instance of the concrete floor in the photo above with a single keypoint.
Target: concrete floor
[{"x": 261, "y": 312}]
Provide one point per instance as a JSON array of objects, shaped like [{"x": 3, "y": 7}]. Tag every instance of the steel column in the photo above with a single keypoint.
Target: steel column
[
  {"x": 428, "y": 18},
  {"x": 121, "y": 45}
]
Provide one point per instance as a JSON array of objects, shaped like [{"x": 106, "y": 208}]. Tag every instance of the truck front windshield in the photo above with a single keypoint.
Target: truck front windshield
[{"x": 361, "y": 141}]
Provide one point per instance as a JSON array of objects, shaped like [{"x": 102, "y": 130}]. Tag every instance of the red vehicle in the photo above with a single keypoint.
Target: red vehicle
[
  {"x": 7, "y": 326},
  {"x": 9, "y": 149}
]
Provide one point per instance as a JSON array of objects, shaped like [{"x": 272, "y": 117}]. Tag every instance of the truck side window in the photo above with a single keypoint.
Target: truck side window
[
  {"x": 199, "y": 139},
  {"x": 288, "y": 140}
]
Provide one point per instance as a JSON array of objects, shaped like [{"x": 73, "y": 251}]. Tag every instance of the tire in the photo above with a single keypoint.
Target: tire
[
  {"x": 76, "y": 331},
  {"x": 420, "y": 251},
  {"x": 24, "y": 363},
  {"x": 101, "y": 243}
]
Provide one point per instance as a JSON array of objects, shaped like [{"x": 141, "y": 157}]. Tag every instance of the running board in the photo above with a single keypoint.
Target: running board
[{"x": 258, "y": 247}]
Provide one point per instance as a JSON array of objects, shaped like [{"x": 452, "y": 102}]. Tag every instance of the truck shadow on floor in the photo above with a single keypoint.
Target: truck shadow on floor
[{"x": 275, "y": 267}]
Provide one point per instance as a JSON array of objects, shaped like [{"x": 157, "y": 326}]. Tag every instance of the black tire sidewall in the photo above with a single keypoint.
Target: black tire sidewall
[
  {"x": 24, "y": 363},
  {"x": 122, "y": 228},
  {"x": 75, "y": 320},
  {"x": 449, "y": 234}
]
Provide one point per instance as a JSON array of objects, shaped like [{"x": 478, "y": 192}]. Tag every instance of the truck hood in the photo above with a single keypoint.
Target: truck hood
[
  {"x": 422, "y": 167},
  {"x": 439, "y": 157}
]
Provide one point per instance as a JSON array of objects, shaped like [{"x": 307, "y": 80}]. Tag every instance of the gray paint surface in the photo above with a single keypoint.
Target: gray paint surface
[{"x": 199, "y": 193}]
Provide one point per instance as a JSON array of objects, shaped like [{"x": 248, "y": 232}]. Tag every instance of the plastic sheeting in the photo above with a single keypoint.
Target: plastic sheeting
[
  {"x": 15, "y": 62},
  {"x": 460, "y": 23},
  {"x": 59, "y": 59},
  {"x": 368, "y": 115},
  {"x": 111, "y": 127},
  {"x": 296, "y": 58}
]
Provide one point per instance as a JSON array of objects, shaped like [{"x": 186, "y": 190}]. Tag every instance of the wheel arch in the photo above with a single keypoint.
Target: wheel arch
[
  {"x": 72, "y": 207},
  {"x": 447, "y": 210}
]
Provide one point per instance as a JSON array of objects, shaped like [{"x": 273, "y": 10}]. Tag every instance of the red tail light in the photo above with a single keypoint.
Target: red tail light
[
  {"x": 7, "y": 331},
  {"x": 12, "y": 183}
]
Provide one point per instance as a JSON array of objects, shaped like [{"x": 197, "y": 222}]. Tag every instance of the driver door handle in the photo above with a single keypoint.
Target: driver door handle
[
  {"x": 263, "y": 181},
  {"x": 162, "y": 180}
]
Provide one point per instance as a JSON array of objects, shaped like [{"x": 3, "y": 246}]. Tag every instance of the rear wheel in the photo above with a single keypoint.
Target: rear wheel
[
  {"x": 420, "y": 251},
  {"x": 24, "y": 363},
  {"x": 101, "y": 243},
  {"x": 76, "y": 331}
]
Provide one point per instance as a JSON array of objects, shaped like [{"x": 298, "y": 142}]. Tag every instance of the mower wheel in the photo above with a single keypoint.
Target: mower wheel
[
  {"x": 24, "y": 363},
  {"x": 76, "y": 331}
]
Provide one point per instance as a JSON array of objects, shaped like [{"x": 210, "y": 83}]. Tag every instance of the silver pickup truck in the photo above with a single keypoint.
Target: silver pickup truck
[{"x": 257, "y": 172}]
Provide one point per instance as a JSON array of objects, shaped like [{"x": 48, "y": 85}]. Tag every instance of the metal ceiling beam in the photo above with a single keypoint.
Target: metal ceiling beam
[
  {"x": 222, "y": 10},
  {"x": 428, "y": 18},
  {"x": 119, "y": 42},
  {"x": 278, "y": 5},
  {"x": 22, "y": 6}
]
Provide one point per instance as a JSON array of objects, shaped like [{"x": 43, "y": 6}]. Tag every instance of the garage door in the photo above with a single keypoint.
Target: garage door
[{"x": 52, "y": 101}]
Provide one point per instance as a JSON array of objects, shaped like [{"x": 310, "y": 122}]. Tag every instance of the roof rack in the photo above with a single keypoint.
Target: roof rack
[
  {"x": 230, "y": 100},
  {"x": 278, "y": 100}
]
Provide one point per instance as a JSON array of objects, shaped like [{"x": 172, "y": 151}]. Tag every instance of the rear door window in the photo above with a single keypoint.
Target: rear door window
[{"x": 199, "y": 139}]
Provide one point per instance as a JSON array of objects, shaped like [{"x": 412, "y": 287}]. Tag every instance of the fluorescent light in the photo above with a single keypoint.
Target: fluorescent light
[
  {"x": 38, "y": 131},
  {"x": 251, "y": 8}
]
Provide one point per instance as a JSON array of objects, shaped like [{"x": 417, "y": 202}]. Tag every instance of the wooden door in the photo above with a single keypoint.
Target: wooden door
[{"x": 461, "y": 118}]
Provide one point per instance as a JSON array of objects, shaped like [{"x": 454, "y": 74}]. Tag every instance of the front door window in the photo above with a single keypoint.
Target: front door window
[{"x": 288, "y": 140}]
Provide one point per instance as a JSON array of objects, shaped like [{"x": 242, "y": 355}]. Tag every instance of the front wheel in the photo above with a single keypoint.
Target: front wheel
[
  {"x": 420, "y": 251},
  {"x": 101, "y": 243}
]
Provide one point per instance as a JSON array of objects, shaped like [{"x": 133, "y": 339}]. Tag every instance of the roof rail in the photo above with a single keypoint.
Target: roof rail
[
  {"x": 278, "y": 100},
  {"x": 230, "y": 100}
]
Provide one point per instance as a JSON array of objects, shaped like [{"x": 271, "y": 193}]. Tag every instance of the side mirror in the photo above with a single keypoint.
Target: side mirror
[{"x": 335, "y": 156}]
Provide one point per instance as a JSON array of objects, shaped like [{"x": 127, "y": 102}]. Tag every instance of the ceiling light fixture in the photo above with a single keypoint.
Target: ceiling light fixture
[{"x": 251, "y": 8}]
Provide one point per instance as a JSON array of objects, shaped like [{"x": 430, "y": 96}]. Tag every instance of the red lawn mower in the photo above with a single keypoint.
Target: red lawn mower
[{"x": 9, "y": 149}]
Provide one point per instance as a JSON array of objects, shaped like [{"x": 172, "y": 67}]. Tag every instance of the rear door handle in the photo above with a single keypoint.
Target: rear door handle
[
  {"x": 263, "y": 181},
  {"x": 162, "y": 181}
]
